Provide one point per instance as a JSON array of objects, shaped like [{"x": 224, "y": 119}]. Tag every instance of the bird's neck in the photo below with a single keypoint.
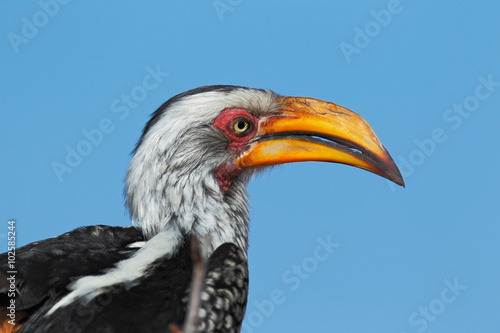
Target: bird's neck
[{"x": 182, "y": 204}]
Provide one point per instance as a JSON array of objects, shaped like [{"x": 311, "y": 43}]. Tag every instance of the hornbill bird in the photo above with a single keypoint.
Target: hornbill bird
[{"x": 187, "y": 179}]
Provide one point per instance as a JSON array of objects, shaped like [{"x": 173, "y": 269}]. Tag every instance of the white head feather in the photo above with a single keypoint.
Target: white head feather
[{"x": 170, "y": 182}]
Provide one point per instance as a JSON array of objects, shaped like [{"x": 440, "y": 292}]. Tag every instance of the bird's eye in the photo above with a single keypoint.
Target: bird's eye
[
  {"x": 241, "y": 126},
  {"x": 238, "y": 124}
]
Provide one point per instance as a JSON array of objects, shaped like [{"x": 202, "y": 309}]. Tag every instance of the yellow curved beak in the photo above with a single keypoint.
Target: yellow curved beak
[{"x": 307, "y": 129}]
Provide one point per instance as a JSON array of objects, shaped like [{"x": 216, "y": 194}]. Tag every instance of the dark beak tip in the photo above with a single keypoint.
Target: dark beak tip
[
  {"x": 390, "y": 171},
  {"x": 401, "y": 182},
  {"x": 396, "y": 177}
]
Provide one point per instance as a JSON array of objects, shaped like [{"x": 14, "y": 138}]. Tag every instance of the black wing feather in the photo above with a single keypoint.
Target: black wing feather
[
  {"x": 48, "y": 266},
  {"x": 151, "y": 305}
]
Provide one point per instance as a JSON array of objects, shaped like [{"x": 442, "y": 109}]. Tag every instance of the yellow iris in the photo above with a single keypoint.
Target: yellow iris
[{"x": 241, "y": 126}]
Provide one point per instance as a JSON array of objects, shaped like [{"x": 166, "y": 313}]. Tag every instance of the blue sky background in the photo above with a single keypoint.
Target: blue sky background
[{"x": 398, "y": 251}]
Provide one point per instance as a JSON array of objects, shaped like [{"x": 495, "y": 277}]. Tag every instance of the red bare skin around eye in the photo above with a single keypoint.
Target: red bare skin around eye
[{"x": 226, "y": 174}]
